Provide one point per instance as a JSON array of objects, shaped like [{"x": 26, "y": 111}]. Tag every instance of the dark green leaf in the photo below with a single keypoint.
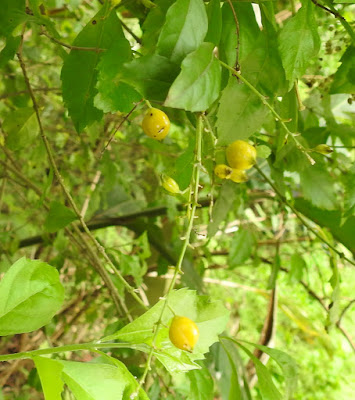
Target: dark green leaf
[
  {"x": 13, "y": 13},
  {"x": 9, "y": 51},
  {"x": 30, "y": 295},
  {"x": 151, "y": 75},
  {"x": 201, "y": 384},
  {"x": 115, "y": 95},
  {"x": 349, "y": 200},
  {"x": 58, "y": 217},
  {"x": 79, "y": 72},
  {"x": 214, "y": 14},
  {"x": 198, "y": 84},
  {"x": 241, "y": 247},
  {"x": 299, "y": 42},
  {"x": 184, "y": 29},
  {"x": 344, "y": 78},
  {"x": 241, "y": 113}
]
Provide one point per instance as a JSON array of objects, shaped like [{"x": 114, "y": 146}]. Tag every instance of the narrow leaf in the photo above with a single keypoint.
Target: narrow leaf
[{"x": 241, "y": 247}]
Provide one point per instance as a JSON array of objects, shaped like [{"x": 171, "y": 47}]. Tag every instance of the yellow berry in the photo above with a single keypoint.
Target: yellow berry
[
  {"x": 156, "y": 124},
  {"x": 241, "y": 155},
  {"x": 170, "y": 184},
  {"x": 238, "y": 176},
  {"x": 223, "y": 171},
  {"x": 183, "y": 333}
]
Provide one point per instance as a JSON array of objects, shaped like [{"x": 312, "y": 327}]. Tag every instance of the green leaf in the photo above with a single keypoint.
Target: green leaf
[
  {"x": 153, "y": 24},
  {"x": 248, "y": 28},
  {"x": 349, "y": 195},
  {"x": 21, "y": 127},
  {"x": 184, "y": 29},
  {"x": 343, "y": 232},
  {"x": 317, "y": 186},
  {"x": 201, "y": 384},
  {"x": 288, "y": 365},
  {"x": 298, "y": 265},
  {"x": 241, "y": 113},
  {"x": 59, "y": 216},
  {"x": 79, "y": 72},
  {"x": 214, "y": 14},
  {"x": 151, "y": 76},
  {"x": 263, "y": 151},
  {"x": 233, "y": 383},
  {"x": 210, "y": 317},
  {"x": 9, "y": 51},
  {"x": 13, "y": 13},
  {"x": 344, "y": 78},
  {"x": 183, "y": 166},
  {"x": 241, "y": 247},
  {"x": 30, "y": 295},
  {"x": 299, "y": 42},
  {"x": 50, "y": 372},
  {"x": 225, "y": 200},
  {"x": 198, "y": 84},
  {"x": 267, "y": 387},
  {"x": 115, "y": 95}
]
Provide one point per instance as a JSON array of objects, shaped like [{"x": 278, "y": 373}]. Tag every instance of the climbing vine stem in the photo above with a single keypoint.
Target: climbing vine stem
[
  {"x": 271, "y": 108},
  {"x": 191, "y": 214}
]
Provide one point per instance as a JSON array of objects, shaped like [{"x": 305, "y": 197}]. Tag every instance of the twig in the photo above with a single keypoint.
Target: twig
[
  {"x": 68, "y": 46},
  {"x": 13, "y": 94},
  {"x": 117, "y": 128},
  {"x": 237, "y": 65},
  {"x": 345, "y": 310},
  {"x": 335, "y": 13},
  {"x": 135, "y": 37},
  {"x": 301, "y": 218},
  {"x": 273, "y": 111},
  {"x": 118, "y": 300}
]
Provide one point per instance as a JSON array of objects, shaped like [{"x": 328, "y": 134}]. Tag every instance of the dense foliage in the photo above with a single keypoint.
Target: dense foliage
[{"x": 109, "y": 229}]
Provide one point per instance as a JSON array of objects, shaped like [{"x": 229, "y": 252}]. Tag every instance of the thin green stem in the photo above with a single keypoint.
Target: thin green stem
[
  {"x": 194, "y": 187},
  {"x": 301, "y": 217},
  {"x": 269, "y": 106},
  {"x": 70, "y": 347}
]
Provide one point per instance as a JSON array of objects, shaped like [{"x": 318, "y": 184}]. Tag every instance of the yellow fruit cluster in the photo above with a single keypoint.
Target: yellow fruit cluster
[{"x": 241, "y": 156}]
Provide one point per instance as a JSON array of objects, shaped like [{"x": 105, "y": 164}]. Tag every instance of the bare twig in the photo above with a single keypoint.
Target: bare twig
[
  {"x": 13, "y": 94},
  {"x": 237, "y": 65},
  {"x": 70, "y": 47}
]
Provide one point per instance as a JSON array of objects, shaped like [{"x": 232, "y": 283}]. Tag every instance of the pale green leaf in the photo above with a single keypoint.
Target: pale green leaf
[
  {"x": 30, "y": 295},
  {"x": 184, "y": 29},
  {"x": 198, "y": 84},
  {"x": 9, "y": 51},
  {"x": 298, "y": 266},
  {"x": 50, "y": 372}
]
